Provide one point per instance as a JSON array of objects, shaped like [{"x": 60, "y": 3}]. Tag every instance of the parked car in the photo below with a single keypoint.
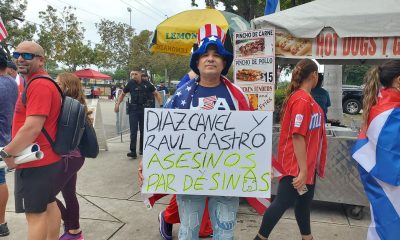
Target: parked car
[{"x": 352, "y": 97}]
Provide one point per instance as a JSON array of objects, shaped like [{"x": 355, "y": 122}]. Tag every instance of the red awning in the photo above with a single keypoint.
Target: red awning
[{"x": 90, "y": 73}]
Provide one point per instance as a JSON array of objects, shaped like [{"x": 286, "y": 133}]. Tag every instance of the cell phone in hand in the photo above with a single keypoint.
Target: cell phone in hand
[{"x": 303, "y": 190}]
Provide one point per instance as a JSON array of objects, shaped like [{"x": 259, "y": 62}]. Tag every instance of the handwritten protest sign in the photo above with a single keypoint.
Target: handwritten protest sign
[{"x": 226, "y": 153}]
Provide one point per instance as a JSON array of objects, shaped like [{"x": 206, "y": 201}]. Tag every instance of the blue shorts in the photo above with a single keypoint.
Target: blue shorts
[{"x": 2, "y": 176}]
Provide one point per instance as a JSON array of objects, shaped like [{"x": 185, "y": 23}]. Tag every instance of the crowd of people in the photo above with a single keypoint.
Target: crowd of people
[{"x": 302, "y": 149}]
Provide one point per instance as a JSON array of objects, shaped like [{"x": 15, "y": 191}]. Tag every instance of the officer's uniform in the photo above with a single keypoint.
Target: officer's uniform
[
  {"x": 151, "y": 103},
  {"x": 140, "y": 93}
]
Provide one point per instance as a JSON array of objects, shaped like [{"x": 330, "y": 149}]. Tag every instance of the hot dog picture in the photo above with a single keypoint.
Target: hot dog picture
[{"x": 286, "y": 44}]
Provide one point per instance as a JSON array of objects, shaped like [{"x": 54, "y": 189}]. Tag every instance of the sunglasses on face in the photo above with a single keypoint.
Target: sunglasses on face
[{"x": 26, "y": 56}]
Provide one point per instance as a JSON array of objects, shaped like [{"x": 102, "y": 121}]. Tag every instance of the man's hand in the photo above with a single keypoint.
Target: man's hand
[
  {"x": 140, "y": 173},
  {"x": 116, "y": 108},
  {"x": 10, "y": 162}
]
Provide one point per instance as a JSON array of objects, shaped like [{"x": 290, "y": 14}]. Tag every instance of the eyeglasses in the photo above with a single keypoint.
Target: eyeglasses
[{"x": 26, "y": 56}]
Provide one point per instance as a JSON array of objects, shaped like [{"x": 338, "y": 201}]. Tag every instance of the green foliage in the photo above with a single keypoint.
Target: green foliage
[
  {"x": 121, "y": 74},
  {"x": 61, "y": 35},
  {"x": 249, "y": 9},
  {"x": 177, "y": 66},
  {"x": 140, "y": 58},
  {"x": 115, "y": 44},
  {"x": 354, "y": 74},
  {"x": 280, "y": 95},
  {"x": 157, "y": 63},
  {"x": 11, "y": 11},
  {"x": 282, "y": 85}
]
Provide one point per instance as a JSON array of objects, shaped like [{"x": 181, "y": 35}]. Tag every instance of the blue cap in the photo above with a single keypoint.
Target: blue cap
[
  {"x": 11, "y": 64},
  {"x": 207, "y": 41}
]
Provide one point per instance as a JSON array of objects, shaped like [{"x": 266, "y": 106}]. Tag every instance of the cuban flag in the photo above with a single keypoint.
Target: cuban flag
[
  {"x": 271, "y": 6},
  {"x": 377, "y": 152}
]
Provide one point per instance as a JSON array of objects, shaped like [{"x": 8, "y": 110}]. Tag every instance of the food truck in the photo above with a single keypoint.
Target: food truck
[{"x": 334, "y": 33}]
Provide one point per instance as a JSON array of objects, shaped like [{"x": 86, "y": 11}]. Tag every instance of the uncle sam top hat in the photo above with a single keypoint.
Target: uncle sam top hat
[{"x": 207, "y": 35}]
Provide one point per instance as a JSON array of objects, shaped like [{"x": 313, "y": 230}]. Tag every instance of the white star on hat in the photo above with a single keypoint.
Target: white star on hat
[
  {"x": 183, "y": 102},
  {"x": 212, "y": 38}
]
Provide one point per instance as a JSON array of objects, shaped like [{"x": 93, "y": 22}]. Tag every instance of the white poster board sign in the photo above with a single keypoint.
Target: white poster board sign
[{"x": 224, "y": 153}]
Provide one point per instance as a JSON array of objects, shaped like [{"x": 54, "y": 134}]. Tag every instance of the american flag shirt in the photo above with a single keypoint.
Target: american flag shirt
[{"x": 191, "y": 95}]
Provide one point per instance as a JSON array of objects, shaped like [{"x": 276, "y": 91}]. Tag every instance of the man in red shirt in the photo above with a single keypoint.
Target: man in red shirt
[{"x": 34, "y": 181}]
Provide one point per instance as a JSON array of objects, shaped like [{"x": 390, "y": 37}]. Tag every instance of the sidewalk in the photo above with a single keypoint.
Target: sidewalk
[{"x": 111, "y": 207}]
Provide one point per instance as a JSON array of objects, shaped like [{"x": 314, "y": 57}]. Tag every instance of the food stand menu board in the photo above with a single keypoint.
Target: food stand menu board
[{"x": 254, "y": 62}]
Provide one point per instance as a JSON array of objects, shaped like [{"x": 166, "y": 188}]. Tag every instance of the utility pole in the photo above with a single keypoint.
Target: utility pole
[
  {"x": 130, "y": 42},
  {"x": 130, "y": 16}
]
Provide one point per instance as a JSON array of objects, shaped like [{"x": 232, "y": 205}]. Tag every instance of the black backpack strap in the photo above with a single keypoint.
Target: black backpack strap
[
  {"x": 39, "y": 77},
  {"x": 46, "y": 134}
]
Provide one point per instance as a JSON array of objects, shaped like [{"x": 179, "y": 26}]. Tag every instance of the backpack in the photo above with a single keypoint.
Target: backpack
[
  {"x": 89, "y": 147},
  {"x": 71, "y": 121}
]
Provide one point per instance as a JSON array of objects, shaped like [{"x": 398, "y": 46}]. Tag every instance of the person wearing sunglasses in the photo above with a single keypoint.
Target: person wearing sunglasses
[
  {"x": 25, "y": 56},
  {"x": 35, "y": 181}
]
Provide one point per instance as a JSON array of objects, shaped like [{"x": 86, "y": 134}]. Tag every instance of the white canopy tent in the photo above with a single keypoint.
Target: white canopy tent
[
  {"x": 376, "y": 19},
  {"x": 349, "y": 18}
]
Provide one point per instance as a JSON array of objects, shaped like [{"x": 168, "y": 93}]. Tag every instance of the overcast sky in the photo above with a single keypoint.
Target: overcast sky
[{"x": 146, "y": 14}]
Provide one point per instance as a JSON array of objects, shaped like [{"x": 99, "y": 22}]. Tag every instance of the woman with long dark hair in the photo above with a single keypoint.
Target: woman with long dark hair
[
  {"x": 378, "y": 149},
  {"x": 301, "y": 153},
  {"x": 72, "y": 163}
]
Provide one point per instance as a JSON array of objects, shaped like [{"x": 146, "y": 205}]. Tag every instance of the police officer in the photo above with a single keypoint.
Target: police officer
[
  {"x": 150, "y": 99},
  {"x": 140, "y": 92}
]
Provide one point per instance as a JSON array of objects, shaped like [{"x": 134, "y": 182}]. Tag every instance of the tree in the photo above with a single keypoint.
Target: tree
[
  {"x": 354, "y": 74},
  {"x": 62, "y": 38},
  {"x": 12, "y": 13},
  {"x": 120, "y": 74},
  {"x": 176, "y": 66},
  {"x": 142, "y": 58},
  {"x": 114, "y": 48},
  {"x": 249, "y": 9},
  {"x": 51, "y": 34}
]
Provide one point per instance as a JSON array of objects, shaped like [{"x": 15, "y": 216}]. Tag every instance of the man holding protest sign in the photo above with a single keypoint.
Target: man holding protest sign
[{"x": 210, "y": 91}]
